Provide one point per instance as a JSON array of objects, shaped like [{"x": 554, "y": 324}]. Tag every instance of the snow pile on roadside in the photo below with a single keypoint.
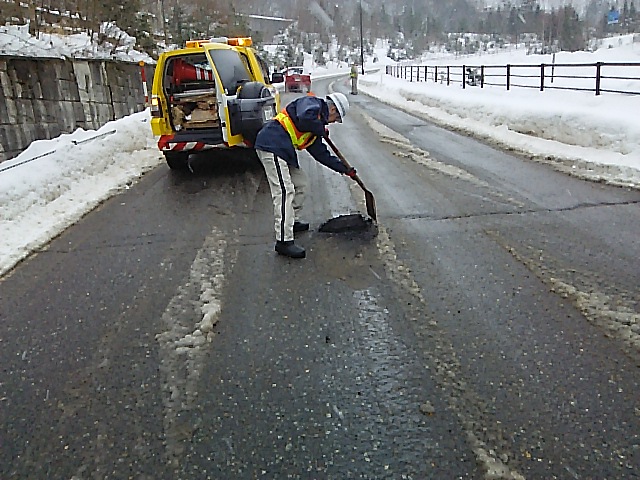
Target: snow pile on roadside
[
  {"x": 596, "y": 136},
  {"x": 71, "y": 175},
  {"x": 565, "y": 117}
]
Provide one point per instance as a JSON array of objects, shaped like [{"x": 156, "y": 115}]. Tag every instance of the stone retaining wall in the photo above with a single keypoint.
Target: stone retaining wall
[{"x": 41, "y": 98}]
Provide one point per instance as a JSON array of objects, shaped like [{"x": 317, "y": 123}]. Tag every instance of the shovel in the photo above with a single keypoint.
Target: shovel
[{"x": 368, "y": 196}]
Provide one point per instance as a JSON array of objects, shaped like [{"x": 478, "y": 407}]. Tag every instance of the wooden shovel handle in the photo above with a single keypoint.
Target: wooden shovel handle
[{"x": 342, "y": 159}]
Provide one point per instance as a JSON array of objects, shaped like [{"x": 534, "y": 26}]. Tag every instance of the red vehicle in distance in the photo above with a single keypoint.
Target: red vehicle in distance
[{"x": 296, "y": 80}]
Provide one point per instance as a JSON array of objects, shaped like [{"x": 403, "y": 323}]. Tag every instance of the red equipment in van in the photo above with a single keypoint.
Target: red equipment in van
[{"x": 185, "y": 72}]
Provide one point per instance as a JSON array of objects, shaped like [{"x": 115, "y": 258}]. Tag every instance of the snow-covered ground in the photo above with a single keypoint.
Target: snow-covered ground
[
  {"x": 53, "y": 183},
  {"x": 62, "y": 179}
]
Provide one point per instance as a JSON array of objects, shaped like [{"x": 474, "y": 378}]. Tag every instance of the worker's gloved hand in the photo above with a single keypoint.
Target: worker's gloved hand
[
  {"x": 351, "y": 172},
  {"x": 326, "y": 132}
]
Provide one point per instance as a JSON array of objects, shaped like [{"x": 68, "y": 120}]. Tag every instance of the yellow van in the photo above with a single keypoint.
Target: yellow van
[{"x": 211, "y": 94}]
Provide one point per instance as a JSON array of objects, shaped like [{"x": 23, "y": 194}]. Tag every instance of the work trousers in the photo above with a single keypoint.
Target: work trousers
[{"x": 288, "y": 188}]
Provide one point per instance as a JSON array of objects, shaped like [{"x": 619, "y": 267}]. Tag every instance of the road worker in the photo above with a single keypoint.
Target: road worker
[
  {"x": 354, "y": 79},
  {"x": 300, "y": 125}
]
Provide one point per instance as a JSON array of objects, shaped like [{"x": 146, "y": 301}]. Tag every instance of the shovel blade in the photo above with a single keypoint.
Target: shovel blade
[
  {"x": 368, "y": 199},
  {"x": 371, "y": 205}
]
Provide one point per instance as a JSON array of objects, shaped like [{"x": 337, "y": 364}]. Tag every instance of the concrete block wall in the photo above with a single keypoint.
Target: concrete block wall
[{"x": 41, "y": 98}]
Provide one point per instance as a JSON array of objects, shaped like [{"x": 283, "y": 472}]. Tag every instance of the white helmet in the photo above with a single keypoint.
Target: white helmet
[{"x": 341, "y": 103}]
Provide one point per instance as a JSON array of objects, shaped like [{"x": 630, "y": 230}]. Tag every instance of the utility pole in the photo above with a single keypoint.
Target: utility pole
[
  {"x": 361, "y": 40},
  {"x": 164, "y": 22}
]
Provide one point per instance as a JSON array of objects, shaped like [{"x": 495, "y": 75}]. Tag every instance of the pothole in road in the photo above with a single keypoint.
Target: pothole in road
[{"x": 348, "y": 257}]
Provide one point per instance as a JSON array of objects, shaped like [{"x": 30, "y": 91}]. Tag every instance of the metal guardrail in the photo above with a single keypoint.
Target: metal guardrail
[
  {"x": 74, "y": 142},
  {"x": 599, "y": 77}
]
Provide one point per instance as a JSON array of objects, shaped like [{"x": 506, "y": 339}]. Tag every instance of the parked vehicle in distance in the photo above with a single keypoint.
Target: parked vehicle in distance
[
  {"x": 296, "y": 80},
  {"x": 211, "y": 94}
]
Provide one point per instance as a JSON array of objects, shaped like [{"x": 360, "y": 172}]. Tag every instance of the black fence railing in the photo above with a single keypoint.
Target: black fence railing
[{"x": 599, "y": 77}]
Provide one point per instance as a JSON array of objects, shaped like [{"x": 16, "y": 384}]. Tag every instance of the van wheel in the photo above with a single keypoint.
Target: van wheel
[{"x": 177, "y": 160}]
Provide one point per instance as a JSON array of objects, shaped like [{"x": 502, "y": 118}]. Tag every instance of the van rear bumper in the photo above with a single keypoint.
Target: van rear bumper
[{"x": 192, "y": 141}]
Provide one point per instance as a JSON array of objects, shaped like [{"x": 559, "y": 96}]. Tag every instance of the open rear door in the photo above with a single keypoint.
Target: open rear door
[{"x": 231, "y": 73}]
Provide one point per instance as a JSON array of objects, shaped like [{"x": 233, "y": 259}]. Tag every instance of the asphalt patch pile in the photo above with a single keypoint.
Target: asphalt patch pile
[{"x": 355, "y": 222}]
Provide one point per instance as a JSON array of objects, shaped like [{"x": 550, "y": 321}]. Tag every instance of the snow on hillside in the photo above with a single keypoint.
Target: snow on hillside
[
  {"x": 15, "y": 40},
  {"x": 620, "y": 48}
]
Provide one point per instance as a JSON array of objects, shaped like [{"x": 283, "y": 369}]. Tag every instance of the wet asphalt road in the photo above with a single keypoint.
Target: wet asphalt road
[{"x": 489, "y": 330}]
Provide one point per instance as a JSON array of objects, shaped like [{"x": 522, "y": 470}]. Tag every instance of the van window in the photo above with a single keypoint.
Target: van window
[
  {"x": 231, "y": 69},
  {"x": 265, "y": 69}
]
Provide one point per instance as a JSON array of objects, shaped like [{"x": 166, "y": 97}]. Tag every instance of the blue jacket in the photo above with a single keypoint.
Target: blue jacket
[{"x": 309, "y": 114}]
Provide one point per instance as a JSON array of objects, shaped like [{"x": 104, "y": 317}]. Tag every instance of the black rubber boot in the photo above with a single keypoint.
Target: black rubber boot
[
  {"x": 290, "y": 249},
  {"x": 300, "y": 226}
]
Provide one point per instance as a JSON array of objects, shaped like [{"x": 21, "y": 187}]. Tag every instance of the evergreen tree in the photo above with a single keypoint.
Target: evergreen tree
[
  {"x": 237, "y": 25},
  {"x": 513, "y": 22},
  {"x": 177, "y": 26},
  {"x": 625, "y": 12},
  {"x": 571, "y": 33},
  {"x": 318, "y": 56},
  {"x": 123, "y": 14},
  {"x": 290, "y": 56}
]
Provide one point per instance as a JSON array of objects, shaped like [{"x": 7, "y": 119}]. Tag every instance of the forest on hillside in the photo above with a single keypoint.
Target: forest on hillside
[{"x": 414, "y": 24}]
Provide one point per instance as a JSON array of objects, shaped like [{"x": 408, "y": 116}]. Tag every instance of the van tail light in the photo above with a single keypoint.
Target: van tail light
[{"x": 156, "y": 110}]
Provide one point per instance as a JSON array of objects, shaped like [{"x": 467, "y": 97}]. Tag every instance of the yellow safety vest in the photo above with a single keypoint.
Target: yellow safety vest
[{"x": 300, "y": 140}]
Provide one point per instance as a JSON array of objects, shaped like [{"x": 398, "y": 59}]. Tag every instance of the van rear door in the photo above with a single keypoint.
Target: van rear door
[{"x": 231, "y": 73}]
